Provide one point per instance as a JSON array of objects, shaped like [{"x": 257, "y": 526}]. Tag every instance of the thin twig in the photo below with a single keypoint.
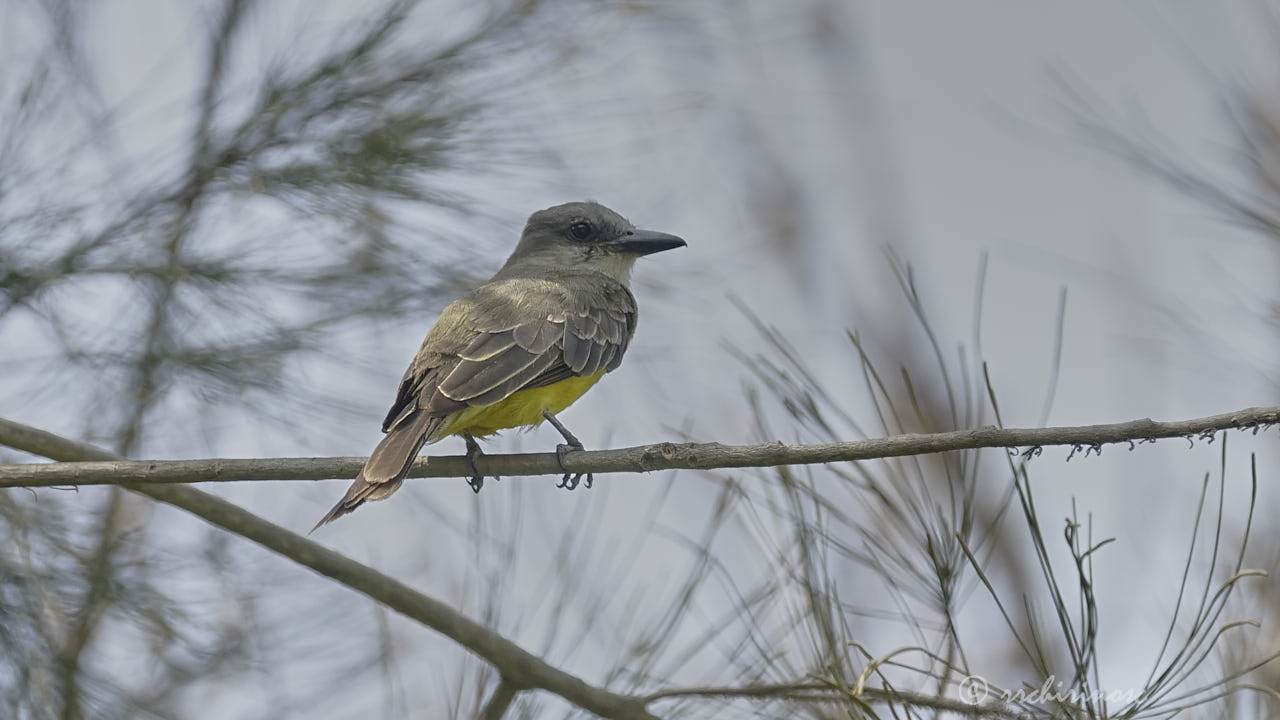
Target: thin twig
[{"x": 643, "y": 458}]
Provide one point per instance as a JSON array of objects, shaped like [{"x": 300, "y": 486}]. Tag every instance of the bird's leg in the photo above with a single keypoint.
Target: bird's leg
[
  {"x": 570, "y": 444},
  {"x": 476, "y": 481}
]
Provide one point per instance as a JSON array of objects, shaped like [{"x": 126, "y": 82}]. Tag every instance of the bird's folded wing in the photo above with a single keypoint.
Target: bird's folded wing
[
  {"x": 535, "y": 354},
  {"x": 499, "y": 360}
]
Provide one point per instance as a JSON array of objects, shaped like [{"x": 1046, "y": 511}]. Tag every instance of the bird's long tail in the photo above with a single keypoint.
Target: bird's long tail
[{"x": 386, "y": 467}]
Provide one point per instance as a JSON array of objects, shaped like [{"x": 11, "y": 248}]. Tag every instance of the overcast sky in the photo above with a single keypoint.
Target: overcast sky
[{"x": 940, "y": 130}]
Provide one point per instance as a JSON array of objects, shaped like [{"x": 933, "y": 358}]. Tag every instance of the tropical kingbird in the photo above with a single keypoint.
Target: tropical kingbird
[{"x": 519, "y": 348}]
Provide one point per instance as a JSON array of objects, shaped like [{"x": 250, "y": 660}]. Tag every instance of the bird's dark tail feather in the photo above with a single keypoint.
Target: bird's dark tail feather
[{"x": 386, "y": 467}]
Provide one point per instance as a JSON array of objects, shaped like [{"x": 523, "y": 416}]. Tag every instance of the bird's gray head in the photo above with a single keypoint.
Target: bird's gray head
[{"x": 586, "y": 236}]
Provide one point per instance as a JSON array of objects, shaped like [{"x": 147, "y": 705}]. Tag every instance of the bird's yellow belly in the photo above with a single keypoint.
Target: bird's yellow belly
[{"x": 523, "y": 407}]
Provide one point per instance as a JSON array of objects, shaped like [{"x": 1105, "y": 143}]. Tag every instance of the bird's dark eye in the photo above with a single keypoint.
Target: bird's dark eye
[{"x": 580, "y": 230}]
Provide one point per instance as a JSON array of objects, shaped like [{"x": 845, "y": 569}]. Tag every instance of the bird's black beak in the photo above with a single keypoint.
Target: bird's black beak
[{"x": 647, "y": 242}]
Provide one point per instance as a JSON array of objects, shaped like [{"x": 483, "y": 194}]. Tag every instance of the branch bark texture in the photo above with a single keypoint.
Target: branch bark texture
[{"x": 643, "y": 458}]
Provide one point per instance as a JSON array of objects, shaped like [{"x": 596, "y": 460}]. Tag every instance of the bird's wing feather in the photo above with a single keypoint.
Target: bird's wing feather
[{"x": 583, "y": 340}]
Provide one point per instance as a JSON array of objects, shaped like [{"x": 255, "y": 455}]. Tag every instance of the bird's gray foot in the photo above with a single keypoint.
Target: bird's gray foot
[
  {"x": 476, "y": 481},
  {"x": 571, "y": 444}
]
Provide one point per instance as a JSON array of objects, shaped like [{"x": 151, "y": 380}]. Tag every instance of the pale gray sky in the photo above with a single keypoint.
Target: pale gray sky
[{"x": 940, "y": 129}]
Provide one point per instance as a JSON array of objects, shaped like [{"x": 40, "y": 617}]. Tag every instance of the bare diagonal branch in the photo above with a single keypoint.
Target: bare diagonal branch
[
  {"x": 520, "y": 668},
  {"x": 642, "y": 458}
]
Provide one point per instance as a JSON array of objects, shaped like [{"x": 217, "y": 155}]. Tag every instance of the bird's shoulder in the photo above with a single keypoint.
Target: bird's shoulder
[
  {"x": 508, "y": 301},
  {"x": 533, "y": 295}
]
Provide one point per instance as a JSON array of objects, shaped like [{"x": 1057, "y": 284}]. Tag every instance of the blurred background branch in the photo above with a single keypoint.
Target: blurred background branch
[
  {"x": 519, "y": 668},
  {"x": 209, "y": 271}
]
